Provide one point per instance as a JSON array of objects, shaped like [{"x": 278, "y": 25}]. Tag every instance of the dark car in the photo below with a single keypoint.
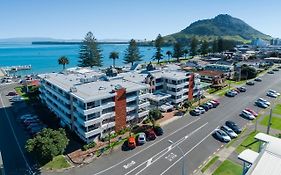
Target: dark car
[
  {"x": 232, "y": 125},
  {"x": 258, "y": 79},
  {"x": 12, "y": 93},
  {"x": 205, "y": 106},
  {"x": 250, "y": 83},
  {"x": 275, "y": 69},
  {"x": 242, "y": 89},
  {"x": 158, "y": 130},
  {"x": 261, "y": 104},
  {"x": 150, "y": 134},
  {"x": 270, "y": 72}
]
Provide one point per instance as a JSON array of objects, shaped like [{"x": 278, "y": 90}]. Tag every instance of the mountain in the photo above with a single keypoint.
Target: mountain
[{"x": 223, "y": 25}]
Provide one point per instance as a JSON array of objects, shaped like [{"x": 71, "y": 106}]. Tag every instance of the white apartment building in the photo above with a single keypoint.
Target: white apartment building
[{"x": 92, "y": 104}]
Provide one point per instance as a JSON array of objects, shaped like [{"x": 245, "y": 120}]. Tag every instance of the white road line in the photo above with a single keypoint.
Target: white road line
[
  {"x": 188, "y": 152},
  {"x": 173, "y": 146},
  {"x": 146, "y": 147},
  {"x": 149, "y": 162},
  {"x": 14, "y": 134}
]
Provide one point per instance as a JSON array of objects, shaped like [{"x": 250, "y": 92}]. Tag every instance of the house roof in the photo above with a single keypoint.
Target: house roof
[{"x": 210, "y": 73}]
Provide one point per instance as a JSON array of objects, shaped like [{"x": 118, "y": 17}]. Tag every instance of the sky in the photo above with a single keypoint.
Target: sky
[{"x": 126, "y": 19}]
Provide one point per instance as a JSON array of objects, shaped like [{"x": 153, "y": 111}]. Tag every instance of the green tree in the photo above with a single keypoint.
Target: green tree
[
  {"x": 155, "y": 114},
  {"x": 90, "y": 53},
  {"x": 185, "y": 52},
  {"x": 114, "y": 56},
  {"x": 63, "y": 60},
  {"x": 220, "y": 45},
  {"x": 158, "y": 44},
  {"x": 169, "y": 54},
  {"x": 132, "y": 54},
  {"x": 193, "y": 46},
  {"x": 248, "y": 72},
  {"x": 204, "y": 47},
  {"x": 47, "y": 144},
  {"x": 178, "y": 52},
  {"x": 215, "y": 46}
]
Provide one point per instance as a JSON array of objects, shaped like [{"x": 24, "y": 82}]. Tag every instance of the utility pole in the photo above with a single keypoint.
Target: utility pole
[{"x": 269, "y": 122}]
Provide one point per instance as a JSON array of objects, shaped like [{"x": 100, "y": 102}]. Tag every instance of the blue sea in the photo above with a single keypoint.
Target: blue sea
[{"x": 43, "y": 58}]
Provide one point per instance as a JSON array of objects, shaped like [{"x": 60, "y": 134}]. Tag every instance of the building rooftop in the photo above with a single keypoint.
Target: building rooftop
[
  {"x": 174, "y": 75},
  {"x": 211, "y": 73},
  {"x": 90, "y": 85}
]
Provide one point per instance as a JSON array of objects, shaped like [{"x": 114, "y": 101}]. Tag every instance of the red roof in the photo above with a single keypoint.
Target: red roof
[{"x": 210, "y": 73}]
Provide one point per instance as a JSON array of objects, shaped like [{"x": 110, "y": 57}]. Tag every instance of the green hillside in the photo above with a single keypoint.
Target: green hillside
[{"x": 223, "y": 26}]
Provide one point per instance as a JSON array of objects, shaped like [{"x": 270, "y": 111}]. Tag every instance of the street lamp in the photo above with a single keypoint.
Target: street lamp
[{"x": 183, "y": 169}]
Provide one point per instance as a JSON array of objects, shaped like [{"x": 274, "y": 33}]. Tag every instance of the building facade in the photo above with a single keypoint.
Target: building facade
[{"x": 93, "y": 105}]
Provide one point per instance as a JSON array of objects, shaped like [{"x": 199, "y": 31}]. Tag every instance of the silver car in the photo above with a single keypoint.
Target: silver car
[
  {"x": 141, "y": 138},
  {"x": 229, "y": 131},
  {"x": 221, "y": 135}
]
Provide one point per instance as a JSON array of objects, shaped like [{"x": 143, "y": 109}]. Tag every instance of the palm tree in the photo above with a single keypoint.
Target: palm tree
[
  {"x": 63, "y": 60},
  {"x": 169, "y": 53},
  {"x": 114, "y": 56}
]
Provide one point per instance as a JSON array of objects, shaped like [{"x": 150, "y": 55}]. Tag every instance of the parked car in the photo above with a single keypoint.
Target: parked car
[
  {"x": 205, "y": 106},
  {"x": 264, "y": 101},
  {"x": 141, "y": 138},
  {"x": 202, "y": 110},
  {"x": 270, "y": 72},
  {"x": 28, "y": 123},
  {"x": 131, "y": 142},
  {"x": 258, "y": 79},
  {"x": 242, "y": 89},
  {"x": 195, "y": 112},
  {"x": 158, "y": 130},
  {"x": 271, "y": 94},
  {"x": 26, "y": 117},
  {"x": 229, "y": 131},
  {"x": 273, "y": 91},
  {"x": 231, "y": 93},
  {"x": 250, "y": 83},
  {"x": 16, "y": 98},
  {"x": 252, "y": 112},
  {"x": 261, "y": 104},
  {"x": 12, "y": 93},
  {"x": 215, "y": 103},
  {"x": 35, "y": 130},
  {"x": 210, "y": 105},
  {"x": 221, "y": 135},
  {"x": 275, "y": 69},
  {"x": 23, "y": 117},
  {"x": 34, "y": 125},
  {"x": 150, "y": 134},
  {"x": 247, "y": 114},
  {"x": 232, "y": 125},
  {"x": 30, "y": 120}
]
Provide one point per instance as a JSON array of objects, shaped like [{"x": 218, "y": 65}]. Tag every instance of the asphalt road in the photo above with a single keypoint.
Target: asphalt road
[
  {"x": 192, "y": 134},
  {"x": 159, "y": 157},
  {"x": 12, "y": 135}
]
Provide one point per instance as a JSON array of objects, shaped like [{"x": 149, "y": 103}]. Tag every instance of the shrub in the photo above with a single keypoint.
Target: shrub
[{"x": 88, "y": 146}]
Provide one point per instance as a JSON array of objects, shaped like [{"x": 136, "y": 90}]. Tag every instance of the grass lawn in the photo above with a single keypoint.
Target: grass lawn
[
  {"x": 276, "y": 122},
  {"x": 248, "y": 143},
  {"x": 228, "y": 168},
  {"x": 210, "y": 163},
  {"x": 277, "y": 109},
  {"x": 235, "y": 82},
  {"x": 58, "y": 162}
]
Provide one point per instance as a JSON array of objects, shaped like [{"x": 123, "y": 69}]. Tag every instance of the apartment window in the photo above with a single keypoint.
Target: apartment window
[
  {"x": 93, "y": 127},
  {"x": 108, "y": 100},
  {"x": 93, "y": 116},
  {"x": 107, "y": 110},
  {"x": 159, "y": 80},
  {"x": 174, "y": 82},
  {"x": 159, "y": 87},
  {"x": 111, "y": 119},
  {"x": 132, "y": 103},
  {"x": 131, "y": 94},
  {"x": 92, "y": 104}
]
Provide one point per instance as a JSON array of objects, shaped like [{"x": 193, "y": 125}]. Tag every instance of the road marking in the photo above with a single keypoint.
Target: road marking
[
  {"x": 173, "y": 145},
  {"x": 128, "y": 165},
  {"x": 146, "y": 147},
  {"x": 187, "y": 152},
  {"x": 149, "y": 162},
  {"x": 171, "y": 157},
  {"x": 14, "y": 134}
]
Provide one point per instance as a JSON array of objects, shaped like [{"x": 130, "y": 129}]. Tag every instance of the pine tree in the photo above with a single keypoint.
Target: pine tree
[
  {"x": 132, "y": 54},
  {"x": 193, "y": 46},
  {"x": 204, "y": 47},
  {"x": 178, "y": 52},
  {"x": 90, "y": 53},
  {"x": 158, "y": 44}
]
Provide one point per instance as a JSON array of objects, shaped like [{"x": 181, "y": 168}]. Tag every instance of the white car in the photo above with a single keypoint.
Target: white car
[
  {"x": 264, "y": 101},
  {"x": 202, "y": 110},
  {"x": 271, "y": 94},
  {"x": 141, "y": 138},
  {"x": 248, "y": 115},
  {"x": 221, "y": 135},
  {"x": 273, "y": 91},
  {"x": 229, "y": 131}
]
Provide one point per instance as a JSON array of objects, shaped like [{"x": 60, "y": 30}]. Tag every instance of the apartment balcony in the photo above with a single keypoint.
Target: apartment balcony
[
  {"x": 107, "y": 115},
  {"x": 58, "y": 103},
  {"x": 184, "y": 97},
  {"x": 144, "y": 96},
  {"x": 107, "y": 125},
  {"x": 178, "y": 85},
  {"x": 58, "y": 112},
  {"x": 63, "y": 98},
  {"x": 143, "y": 113},
  {"x": 88, "y": 122},
  {"x": 144, "y": 105},
  {"x": 131, "y": 108},
  {"x": 132, "y": 98},
  {"x": 90, "y": 133}
]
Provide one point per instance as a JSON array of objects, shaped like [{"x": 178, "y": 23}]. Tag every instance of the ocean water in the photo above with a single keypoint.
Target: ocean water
[{"x": 43, "y": 58}]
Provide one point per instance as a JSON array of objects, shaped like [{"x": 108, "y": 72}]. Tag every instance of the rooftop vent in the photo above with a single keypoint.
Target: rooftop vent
[
  {"x": 73, "y": 89},
  {"x": 102, "y": 88}
]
